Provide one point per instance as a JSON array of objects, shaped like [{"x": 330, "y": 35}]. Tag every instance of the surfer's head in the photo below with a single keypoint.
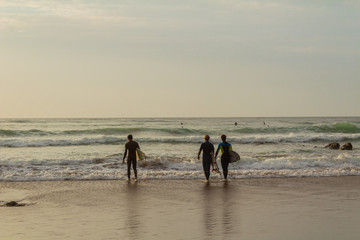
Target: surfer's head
[
  {"x": 130, "y": 137},
  {"x": 223, "y": 137},
  {"x": 207, "y": 137}
]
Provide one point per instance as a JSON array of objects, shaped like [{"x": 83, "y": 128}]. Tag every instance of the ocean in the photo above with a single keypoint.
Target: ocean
[{"x": 89, "y": 149}]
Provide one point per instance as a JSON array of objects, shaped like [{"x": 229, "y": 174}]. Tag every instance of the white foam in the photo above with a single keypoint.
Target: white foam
[{"x": 282, "y": 167}]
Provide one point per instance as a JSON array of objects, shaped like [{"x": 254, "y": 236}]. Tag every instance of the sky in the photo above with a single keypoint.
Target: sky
[{"x": 188, "y": 58}]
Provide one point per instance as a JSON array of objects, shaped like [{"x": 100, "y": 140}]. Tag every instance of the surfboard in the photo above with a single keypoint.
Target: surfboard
[
  {"x": 214, "y": 165},
  {"x": 140, "y": 155},
  {"x": 234, "y": 156}
]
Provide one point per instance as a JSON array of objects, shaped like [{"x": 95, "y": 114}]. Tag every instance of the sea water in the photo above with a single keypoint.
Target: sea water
[{"x": 84, "y": 149}]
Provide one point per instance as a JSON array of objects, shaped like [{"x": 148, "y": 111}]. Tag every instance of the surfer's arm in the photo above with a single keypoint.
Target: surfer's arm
[
  {"x": 230, "y": 147},
  {"x": 125, "y": 154},
  {"x": 199, "y": 152},
  {"x": 217, "y": 151}
]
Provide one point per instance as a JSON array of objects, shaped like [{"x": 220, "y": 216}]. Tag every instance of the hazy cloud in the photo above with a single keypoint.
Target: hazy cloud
[{"x": 178, "y": 53}]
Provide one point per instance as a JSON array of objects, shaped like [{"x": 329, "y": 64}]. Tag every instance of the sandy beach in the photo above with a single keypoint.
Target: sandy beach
[{"x": 280, "y": 208}]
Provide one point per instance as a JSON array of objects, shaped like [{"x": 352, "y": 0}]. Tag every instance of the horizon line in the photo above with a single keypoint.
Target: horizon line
[{"x": 177, "y": 117}]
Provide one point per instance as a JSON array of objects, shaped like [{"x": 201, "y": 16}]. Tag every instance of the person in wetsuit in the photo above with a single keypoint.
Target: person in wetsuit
[
  {"x": 131, "y": 147},
  {"x": 208, "y": 151},
  {"x": 224, "y": 147}
]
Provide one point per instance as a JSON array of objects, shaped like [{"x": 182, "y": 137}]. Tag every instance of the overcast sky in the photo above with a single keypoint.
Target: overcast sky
[{"x": 188, "y": 58}]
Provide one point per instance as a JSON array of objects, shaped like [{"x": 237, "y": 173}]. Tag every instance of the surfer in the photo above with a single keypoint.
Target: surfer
[
  {"x": 224, "y": 147},
  {"x": 208, "y": 152},
  {"x": 131, "y": 147}
]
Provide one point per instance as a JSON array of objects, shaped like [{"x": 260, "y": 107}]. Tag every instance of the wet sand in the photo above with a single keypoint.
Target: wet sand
[{"x": 283, "y": 208}]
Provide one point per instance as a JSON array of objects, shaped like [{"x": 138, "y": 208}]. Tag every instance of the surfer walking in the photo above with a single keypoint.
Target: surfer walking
[
  {"x": 208, "y": 152},
  {"x": 131, "y": 147},
  {"x": 224, "y": 147}
]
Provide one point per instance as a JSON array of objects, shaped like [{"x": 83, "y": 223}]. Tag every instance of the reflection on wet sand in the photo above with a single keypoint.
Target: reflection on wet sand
[
  {"x": 209, "y": 211},
  {"x": 217, "y": 215},
  {"x": 282, "y": 209},
  {"x": 227, "y": 221},
  {"x": 132, "y": 217}
]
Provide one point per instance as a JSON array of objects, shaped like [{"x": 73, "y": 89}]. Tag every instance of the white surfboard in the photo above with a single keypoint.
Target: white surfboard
[
  {"x": 234, "y": 156},
  {"x": 214, "y": 165}
]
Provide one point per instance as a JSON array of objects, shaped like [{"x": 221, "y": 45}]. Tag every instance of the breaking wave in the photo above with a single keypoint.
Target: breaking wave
[
  {"x": 108, "y": 140},
  {"x": 259, "y": 139},
  {"x": 99, "y": 131},
  {"x": 342, "y": 127},
  {"x": 155, "y": 168},
  {"x": 334, "y": 128}
]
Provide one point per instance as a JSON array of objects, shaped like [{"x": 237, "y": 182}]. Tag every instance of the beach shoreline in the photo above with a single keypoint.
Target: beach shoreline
[
  {"x": 84, "y": 149},
  {"x": 267, "y": 208}
]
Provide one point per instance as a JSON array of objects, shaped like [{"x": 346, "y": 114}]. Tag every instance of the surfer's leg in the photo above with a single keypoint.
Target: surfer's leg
[
  {"x": 206, "y": 166},
  {"x": 225, "y": 165},
  {"x": 128, "y": 167},
  {"x": 134, "y": 167}
]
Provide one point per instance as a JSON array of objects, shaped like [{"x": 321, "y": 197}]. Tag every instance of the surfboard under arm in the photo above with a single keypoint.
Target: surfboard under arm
[{"x": 140, "y": 155}]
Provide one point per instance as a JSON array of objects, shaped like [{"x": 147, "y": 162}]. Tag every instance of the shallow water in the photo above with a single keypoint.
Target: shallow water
[{"x": 58, "y": 149}]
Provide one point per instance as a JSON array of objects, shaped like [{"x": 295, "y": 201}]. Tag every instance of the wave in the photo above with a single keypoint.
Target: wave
[
  {"x": 37, "y": 132},
  {"x": 100, "y": 131},
  {"x": 108, "y": 140},
  {"x": 293, "y": 138},
  {"x": 18, "y": 133},
  {"x": 152, "y": 170},
  {"x": 169, "y": 165},
  {"x": 341, "y": 127},
  {"x": 22, "y": 143}
]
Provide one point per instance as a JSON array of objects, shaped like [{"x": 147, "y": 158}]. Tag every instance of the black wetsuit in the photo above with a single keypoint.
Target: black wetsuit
[
  {"x": 225, "y": 157},
  {"x": 131, "y": 146},
  {"x": 208, "y": 150}
]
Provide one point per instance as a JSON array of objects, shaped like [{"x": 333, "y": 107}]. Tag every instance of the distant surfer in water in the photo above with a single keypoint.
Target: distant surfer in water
[
  {"x": 208, "y": 152},
  {"x": 131, "y": 147},
  {"x": 224, "y": 147}
]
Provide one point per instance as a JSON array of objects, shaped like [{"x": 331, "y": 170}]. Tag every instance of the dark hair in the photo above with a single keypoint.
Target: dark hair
[
  {"x": 223, "y": 137},
  {"x": 207, "y": 137},
  {"x": 130, "y": 137}
]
